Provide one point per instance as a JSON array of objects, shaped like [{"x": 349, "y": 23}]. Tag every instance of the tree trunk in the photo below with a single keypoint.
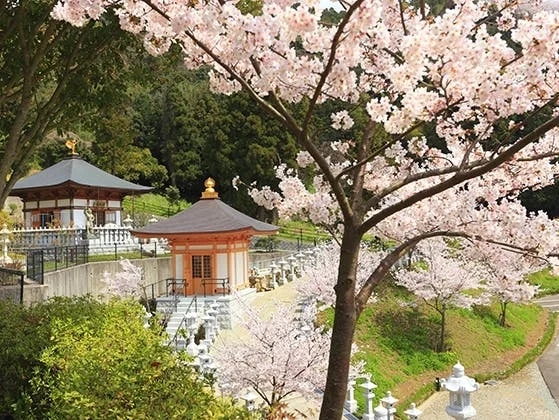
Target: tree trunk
[
  {"x": 343, "y": 329},
  {"x": 502, "y": 317},
  {"x": 443, "y": 330}
]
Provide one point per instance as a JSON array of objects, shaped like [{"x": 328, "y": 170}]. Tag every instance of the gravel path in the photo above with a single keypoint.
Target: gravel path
[{"x": 523, "y": 396}]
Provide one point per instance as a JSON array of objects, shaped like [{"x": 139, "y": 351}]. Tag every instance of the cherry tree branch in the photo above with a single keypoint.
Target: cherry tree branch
[
  {"x": 460, "y": 177},
  {"x": 388, "y": 262}
]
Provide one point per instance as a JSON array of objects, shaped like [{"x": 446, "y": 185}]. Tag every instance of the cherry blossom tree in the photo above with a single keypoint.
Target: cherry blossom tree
[
  {"x": 275, "y": 356},
  {"x": 125, "y": 283},
  {"x": 447, "y": 281},
  {"x": 129, "y": 282},
  {"x": 505, "y": 273},
  {"x": 437, "y": 119},
  {"x": 319, "y": 278}
]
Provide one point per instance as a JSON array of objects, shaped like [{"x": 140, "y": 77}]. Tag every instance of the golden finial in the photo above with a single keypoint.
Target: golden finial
[
  {"x": 210, "y": 192},
  {"x": 71, "y": 144}
]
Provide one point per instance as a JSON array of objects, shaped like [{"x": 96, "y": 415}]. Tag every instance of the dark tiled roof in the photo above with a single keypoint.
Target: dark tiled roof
[
  {"x": 75, "y": 169},
  {"x": 206, "y": 216}
]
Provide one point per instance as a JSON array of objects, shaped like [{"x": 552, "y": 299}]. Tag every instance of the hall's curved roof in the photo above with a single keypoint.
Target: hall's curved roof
[
  {"x": 209, "y": 215},
  {"x": 75, "y": 170}
]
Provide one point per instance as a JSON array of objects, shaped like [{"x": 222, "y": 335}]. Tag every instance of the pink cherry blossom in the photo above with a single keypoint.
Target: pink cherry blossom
[
  {"x": 125, "y": 283},
  {"x": 275, "y": 355}
]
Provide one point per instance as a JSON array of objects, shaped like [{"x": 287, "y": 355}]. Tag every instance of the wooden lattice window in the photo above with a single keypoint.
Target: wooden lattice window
[{"x": 201, "y": 266}]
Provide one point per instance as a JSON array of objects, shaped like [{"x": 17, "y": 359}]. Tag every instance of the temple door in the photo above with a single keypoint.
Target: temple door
[{"x": 202, "y": 274}]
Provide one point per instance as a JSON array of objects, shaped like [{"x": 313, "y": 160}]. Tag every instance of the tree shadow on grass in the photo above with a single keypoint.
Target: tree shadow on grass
[
  {"x": 407, "y": 330},
  {"x": 486, "y": 313}
]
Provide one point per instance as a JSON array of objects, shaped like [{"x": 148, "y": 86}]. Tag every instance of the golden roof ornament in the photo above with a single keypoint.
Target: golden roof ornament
[
  {"x": 71, "y": 144},
  {"x": 210, "y": 192}
]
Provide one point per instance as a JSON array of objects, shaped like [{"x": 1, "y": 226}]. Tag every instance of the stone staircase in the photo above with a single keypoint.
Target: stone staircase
[{"x": 186, "y": 314}]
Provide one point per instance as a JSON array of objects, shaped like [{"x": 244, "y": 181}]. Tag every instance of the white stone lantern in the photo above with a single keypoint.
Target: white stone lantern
[
  {"x": 413, "y": 413},
  {"x": 250, "y": 399},
  {"x": 273, "y": 271},
  {"x": 300, "y": 258},
  {"x": 205, "y": 360},
  {"x": 191, "y": 320},
  {"x": 209, "y": 327},
  {"x": 202, "y": 348},
  {"x": 192, "y": 347},
  {"x": 5, "y": 236},
  {"x": 381, "y": 413},
  {"x": 292, "y": 260},
  {"x": 460, "y": 387},
  {"x": 389, "y": 402},
  {"x": 350, "y": 402},
  {"x": 310, "y": 255},
  {"x": 282, "y": 264},
  {"x": 211, "y": 368},
  {"x": 368, "y": 386}
]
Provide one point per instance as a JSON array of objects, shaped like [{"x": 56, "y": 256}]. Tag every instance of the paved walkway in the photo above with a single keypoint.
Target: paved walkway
[
  {"x": 549, "y": 362},
  {"x": 550, "y": 302}
]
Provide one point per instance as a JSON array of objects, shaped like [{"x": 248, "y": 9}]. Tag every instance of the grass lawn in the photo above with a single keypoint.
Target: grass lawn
[
  {"x": 549, "y": 283},
  {"x": 396, "y": 340}
]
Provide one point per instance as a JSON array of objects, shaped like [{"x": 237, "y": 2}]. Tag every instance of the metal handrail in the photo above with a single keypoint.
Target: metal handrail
[
  {"x": 222, "y": 284},
  {"x": 175, "y": 336}
]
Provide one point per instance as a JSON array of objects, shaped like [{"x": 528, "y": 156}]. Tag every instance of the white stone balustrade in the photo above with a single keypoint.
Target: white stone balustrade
[{"x": 102, "y": 237}]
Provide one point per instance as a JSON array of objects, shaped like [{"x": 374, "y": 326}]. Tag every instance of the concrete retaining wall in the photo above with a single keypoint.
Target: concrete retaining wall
[{"x": 87, "y": 278}]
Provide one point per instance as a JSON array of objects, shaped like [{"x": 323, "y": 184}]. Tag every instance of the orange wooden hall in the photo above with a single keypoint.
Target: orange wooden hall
[{"x": 209, "y": 244}]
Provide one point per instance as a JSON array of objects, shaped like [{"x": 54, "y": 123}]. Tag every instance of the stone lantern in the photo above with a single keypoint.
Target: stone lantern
[
  {"x": 310, "y": 255},
  {"x": 460, "y": 387},
  {"x": 300, "y": 258},
  {"x": 389, "y": 402},
  {"x": 291, "y": 260},
  {"x": 413, "y": 413},
  {"x": 350, "y": 402},
  {"x": 368, "y": 387},
  {"x": 250, "y": 399},
  {"x": 5, "y": 236},
  {"x": 282, "y": 264},
  {"x": 273, "y": 271},
  {"x": 192, "y": 347}
]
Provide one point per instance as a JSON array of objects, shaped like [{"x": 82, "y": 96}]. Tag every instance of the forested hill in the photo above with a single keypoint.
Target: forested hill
[{"x": 171, "y": 132}]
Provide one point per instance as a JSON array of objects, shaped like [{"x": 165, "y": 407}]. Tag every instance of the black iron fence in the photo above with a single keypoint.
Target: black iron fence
[
  {"x": 116, "y": 252},
  {"x": 11, "y": 284},
  {"x": 45, "y": 260}
]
